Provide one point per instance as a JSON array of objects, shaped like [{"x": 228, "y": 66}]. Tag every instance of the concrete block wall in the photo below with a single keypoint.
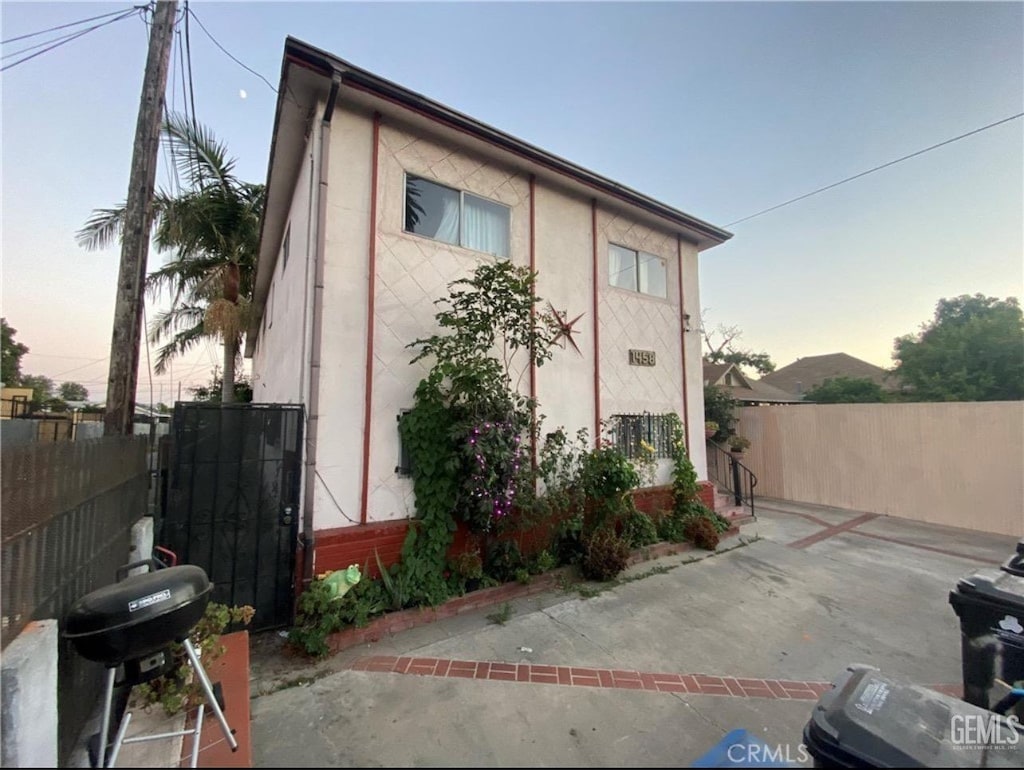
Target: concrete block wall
[{"x": 28, "y": 694}]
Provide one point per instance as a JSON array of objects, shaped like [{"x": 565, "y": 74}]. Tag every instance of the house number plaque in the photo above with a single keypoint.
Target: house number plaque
[{"x": 641, "y": 358}]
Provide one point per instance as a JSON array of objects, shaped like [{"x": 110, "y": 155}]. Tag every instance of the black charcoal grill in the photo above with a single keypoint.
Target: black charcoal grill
[
  {"x": 131, "y": 624},
  {"x": 139, "y": 616}
]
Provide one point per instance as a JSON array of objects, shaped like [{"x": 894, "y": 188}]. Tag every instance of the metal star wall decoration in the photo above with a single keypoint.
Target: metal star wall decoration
[{"x": 564, "y": 327}]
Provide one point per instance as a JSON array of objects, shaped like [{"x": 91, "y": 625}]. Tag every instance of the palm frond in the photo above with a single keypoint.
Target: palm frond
[
  {"x": 102, "y": 228},
  {"x": 199, "y": 156},
  {"x": 181, "y": 343}
]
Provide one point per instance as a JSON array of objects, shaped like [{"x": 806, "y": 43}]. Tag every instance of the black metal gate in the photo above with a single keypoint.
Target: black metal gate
[{"x": 233, "y": 499}]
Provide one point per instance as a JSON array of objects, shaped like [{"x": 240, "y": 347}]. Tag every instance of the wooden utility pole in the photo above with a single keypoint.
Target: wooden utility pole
[{"x": 138, "y": 220}]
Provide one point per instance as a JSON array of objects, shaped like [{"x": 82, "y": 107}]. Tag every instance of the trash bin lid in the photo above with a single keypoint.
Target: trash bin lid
[
  {"x": 1015, "y": 564},
  {"x": 872, "y": 719},
  {"x": 997, "y": 588}
]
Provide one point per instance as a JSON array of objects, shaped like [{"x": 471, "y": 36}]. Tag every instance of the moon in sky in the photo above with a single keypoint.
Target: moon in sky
[{"x": 241, "y": 93}]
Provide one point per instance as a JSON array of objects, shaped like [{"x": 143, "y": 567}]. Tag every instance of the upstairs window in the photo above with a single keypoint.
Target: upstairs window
[
  {"x": 637, "y": 271},
  {"x": 456, "y": 217},
  {"x": 286, "y": 247}
]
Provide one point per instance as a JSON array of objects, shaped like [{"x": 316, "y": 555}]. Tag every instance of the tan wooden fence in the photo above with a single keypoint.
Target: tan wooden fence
[{"x": 958, "y": 464}]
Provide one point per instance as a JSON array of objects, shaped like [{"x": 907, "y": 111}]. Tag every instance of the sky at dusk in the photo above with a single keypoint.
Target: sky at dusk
[{"x": 719, "y": 109}]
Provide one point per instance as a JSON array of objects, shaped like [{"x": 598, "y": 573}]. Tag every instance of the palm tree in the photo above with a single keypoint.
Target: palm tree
[{"x": 212, "y": 229}]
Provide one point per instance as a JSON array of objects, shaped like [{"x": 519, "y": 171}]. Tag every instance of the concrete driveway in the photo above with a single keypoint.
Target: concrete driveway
[{"x": 653, "y": 671}]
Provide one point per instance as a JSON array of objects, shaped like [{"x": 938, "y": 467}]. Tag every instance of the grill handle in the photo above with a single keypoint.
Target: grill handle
[{"x": 122, "y": 572}]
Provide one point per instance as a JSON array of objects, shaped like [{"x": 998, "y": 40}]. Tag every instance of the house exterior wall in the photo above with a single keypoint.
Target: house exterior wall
[
  {"x": 957, "y": 464},
  {"x": 336, "y": 500},
  {"x": 413, "y": 271},
  {"x": 564, "y": 257},
  {"x": 280, "y": 361}
]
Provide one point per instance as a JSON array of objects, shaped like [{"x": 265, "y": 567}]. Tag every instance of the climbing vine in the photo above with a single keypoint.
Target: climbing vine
[{"x": 465, "y": 432}]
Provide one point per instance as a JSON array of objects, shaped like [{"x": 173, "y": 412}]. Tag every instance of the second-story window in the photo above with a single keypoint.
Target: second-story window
[
  {"x": 456, "y": 217},
  {"x": 637, "y": 271}
]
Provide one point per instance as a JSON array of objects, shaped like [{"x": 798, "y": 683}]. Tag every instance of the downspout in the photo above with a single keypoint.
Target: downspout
[
  {"x": 597, "y": 329},
  {"x": 312, "y": 420},
  {"x": 533, "y": 316},
  {"x": 370, "y": 310},
  {"x": 682, "y": 344}
]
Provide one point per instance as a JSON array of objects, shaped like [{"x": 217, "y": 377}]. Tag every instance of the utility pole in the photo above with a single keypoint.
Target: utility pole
[{"x": 138, "y": 220}]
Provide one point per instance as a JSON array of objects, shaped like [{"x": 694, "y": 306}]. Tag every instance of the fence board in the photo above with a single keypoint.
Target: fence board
[{"x": 958, "y": 464}]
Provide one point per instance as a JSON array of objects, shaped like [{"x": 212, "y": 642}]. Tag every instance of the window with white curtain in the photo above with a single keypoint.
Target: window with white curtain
[
  {"x": 456, "y": 217},
  {"x": 637, "y": 271}
]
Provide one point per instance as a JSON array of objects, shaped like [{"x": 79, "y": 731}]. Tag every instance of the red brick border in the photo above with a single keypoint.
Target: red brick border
[
  {"x": 393, "y": 622},
  {"x": 618, "y": 679}
]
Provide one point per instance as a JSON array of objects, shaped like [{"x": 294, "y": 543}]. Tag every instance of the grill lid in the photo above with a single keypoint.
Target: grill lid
[{"x": 137, "y": 600}]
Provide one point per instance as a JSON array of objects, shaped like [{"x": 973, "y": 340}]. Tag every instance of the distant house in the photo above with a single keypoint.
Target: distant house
[
  {"x": 811, "y": 371},
  {"x": 746, "y": 390}
]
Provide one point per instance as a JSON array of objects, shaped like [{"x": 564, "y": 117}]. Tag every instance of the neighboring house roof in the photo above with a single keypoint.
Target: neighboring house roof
[
  {"x": 310, "y": 76},
  {"x": 745, "y": 389},
  {"x": 811, "y": 371}
]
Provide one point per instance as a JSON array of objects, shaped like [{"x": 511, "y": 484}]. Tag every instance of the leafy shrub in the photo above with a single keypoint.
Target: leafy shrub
[
  {"x": 638, "y": 529},
  {"x": 543, "y": 562},
  {"x": 177, "y": 690},
  {"x": 670, "y": 528},
  {"x": 467, "y": 565},
  {"x": 503, "y": 560},
  {"x": 700, "y": 531},
  {"x": 318, "y": 614},
  {"x": 605, "y": 555}
]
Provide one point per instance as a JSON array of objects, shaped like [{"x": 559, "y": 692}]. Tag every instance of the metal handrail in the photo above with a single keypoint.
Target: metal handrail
[{"x": 725, "y": 469}]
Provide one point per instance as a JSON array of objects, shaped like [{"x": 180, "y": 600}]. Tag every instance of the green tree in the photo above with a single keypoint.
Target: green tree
[
  {"x": 847, "y": 390},
  {"x": 721, "y": 346},
  {"x": 720, "y": 406},
  {"x": 212, "y": 230},
  {"x": 42, "y": 388},
  {"x": 972, "y": 350},
  {"x": 214, "y": 391},
  {"x": 12, "y": 351},
  {"x": 73, "y": 391}
]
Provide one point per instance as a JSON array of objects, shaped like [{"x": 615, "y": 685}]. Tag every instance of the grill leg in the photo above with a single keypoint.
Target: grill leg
[
  {"x": 108, "y": 704},
  {"x": 197, "y": 736},
  {"x": 119, "y": 741},
  {"x": 211, "y": 697}
]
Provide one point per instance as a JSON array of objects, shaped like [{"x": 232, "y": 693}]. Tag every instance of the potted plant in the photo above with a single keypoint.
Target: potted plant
[
  {"x": 710, "y": 428},
  {"x": 738, "y": 443}
]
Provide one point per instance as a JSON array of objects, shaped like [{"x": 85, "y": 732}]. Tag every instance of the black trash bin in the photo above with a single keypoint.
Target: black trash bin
[
  {"x": 1015, "y": 564},
  {"x": 990, "y": 605},
  {"x": 871, "y": 719}
]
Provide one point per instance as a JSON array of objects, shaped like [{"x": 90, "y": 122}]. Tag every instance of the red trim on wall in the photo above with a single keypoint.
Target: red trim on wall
[
  {"x": 597, "y": 329},
  {"x": 370, "y": 321},
  {"x": 533, "y": 315},
  {"x": 682, "y": 346}
]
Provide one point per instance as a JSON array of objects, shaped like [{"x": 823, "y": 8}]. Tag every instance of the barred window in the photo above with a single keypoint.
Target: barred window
[{"x": 628, "y": 430}]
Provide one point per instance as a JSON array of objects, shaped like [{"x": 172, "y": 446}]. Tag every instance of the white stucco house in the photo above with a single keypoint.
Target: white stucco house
[{"x": 347, "y": 277}]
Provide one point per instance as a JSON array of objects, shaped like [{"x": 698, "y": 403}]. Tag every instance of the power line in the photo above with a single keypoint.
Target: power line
[
  {"x": 191, "y": 85},
  {"x": 879, "y": 168},
  {"x": 236, "y": 61},
  {"x": 65, "y": 26},
  {"x": 68, "y": 39}
]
